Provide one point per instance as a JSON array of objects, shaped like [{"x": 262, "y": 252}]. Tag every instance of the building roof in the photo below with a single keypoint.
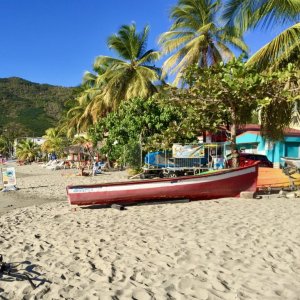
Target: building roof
[{"x": 255, "y": 129}]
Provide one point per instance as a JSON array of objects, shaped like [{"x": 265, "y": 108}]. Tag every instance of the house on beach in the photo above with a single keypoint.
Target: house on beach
[{"x": 251, "y": 141}]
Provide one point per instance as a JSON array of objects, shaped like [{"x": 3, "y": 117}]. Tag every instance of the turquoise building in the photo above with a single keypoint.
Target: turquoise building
[{"x": 251, "y": 141}]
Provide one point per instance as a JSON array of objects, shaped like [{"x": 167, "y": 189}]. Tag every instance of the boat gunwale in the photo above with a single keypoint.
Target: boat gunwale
[
  {"x": 290, "y": 158},
  {"x": 184, "y": 178}
]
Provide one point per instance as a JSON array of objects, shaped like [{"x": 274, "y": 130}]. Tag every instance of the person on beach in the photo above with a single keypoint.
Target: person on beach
[{"x": 97, "y": 167}]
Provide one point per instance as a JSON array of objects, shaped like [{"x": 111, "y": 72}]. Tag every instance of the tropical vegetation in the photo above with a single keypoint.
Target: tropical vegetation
[
  {"x": 197, "y": 37},
  {"x": 131, "y": 74},
  {"x": 138, "y": 122},
  {"x": 238, "y": 91},
  {"x": 4, "y": 146},
  {"x": 28, "y": 109},
  {"x": 27, "y": 150},
  {"x": 125, "y": 104},
  {"x": 54, "y": 142},
  {"x": 245, "y": 15}
]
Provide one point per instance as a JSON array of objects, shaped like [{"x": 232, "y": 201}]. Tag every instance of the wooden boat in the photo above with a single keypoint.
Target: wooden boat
[
  {"x": 292, "y": 162},
  {"x": 219, "y": 184}
]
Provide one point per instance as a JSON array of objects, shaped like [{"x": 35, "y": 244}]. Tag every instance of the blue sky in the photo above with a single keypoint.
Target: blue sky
[{"x": 55, "y": 41}]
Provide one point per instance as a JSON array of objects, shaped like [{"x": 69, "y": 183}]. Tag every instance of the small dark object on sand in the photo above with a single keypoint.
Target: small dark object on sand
[{"x": 118, "y": 206}]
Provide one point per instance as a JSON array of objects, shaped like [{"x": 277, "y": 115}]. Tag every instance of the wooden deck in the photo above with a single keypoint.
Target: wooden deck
[{"x": 275, "y": 178}]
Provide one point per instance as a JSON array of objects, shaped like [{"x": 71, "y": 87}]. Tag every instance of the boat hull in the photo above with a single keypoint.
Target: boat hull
[{"x": 221, "y": 184}]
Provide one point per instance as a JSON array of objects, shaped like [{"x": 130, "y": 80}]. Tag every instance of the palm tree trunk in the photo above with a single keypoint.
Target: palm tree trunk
[{"x": 233, "y": 146}]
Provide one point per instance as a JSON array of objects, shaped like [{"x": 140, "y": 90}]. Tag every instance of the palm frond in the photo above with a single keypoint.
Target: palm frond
[
  {"x": 173, "y": 40},
  {"x": 122, "y": 41},
  {"x": 142, "y": 42},
  {"x": 101, "y": 60},
  {"x": 247, "y": 14},
  {"x": 225, "y": 52},
  {"x": 89, "y": 79},
  {"x": 278, "y": 49},
  {"x": 239, "y": 13},
  {"x": 172, "y": 61},
  {"x": 206, "y": 28},
  {"x": 149, "y": 57},
  {"x": 193, "y": 52},
  {"x": 232, "y": 40}
]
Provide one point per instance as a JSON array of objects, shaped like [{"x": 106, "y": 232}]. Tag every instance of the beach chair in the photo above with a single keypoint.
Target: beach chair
[
  {"x": 58, "y": 166},
  {"x": 52, "y": 165},
  {"x": 49, "y": 163},
  {"x": 61, "y": 165}
]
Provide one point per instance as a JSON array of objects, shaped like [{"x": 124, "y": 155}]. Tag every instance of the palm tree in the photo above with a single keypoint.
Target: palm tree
[
  {"x": 88, "y": 106},
  {"x": 54, "y": 141},
  {"x": 131, "y": 75},
  {"x": 93, "y": 97},
  {"x": 250, "y": 14},
  {"x": 27, "y": 150},
  {"x": 83, "y": 113},
  {"x": 196, "y": 37}
]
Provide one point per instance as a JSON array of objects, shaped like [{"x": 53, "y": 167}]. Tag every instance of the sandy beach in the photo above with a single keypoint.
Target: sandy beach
[
  {"x": 37, "y": 185},
  {"x": 219, "y": 249}
]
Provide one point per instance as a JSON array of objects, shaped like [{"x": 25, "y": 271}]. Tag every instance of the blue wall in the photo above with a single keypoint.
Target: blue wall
[{"x": 288, "y": 147}]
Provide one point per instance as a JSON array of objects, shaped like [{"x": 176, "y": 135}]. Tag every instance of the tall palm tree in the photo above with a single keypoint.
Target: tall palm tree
[
  {"x": 83, "y": 114},
  {"x": 196, "y": 37},
  {"x": 88, "y": 106},
  {"x": 27, "y": 150},
  {"x": 93, "y": 97},
  {"x": 250, "y": 14},
  {"x": 131, "y": 75}
]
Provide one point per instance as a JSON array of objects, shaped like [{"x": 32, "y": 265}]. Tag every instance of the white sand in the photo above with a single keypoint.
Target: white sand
[
  {"x": 38, "y": 185},
  {"x": 224, "y": 249},
  {"x": 34, "y": 180}
]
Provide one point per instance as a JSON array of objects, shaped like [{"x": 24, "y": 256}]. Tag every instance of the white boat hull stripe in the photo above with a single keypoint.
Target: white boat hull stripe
[{"x": 159, "y": 184}]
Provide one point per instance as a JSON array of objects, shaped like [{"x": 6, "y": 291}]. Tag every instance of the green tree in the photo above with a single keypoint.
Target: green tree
[
  {"x": 250, "y": 14},
  {"x": 131, "y": 75},
  {"x": 4, "y": 145},
  {"x": 27, "y": 150},
  {"x": 238, "y": 91},
  {"x": 137, "y": 121},
  {"x": 196, "y": 37}
]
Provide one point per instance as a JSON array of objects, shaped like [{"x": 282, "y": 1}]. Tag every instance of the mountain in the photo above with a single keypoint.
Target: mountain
[{"x": 31, "y": 107}]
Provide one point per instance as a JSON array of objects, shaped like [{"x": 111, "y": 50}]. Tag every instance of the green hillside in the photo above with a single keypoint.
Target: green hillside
[{"x": 31, "y": 107}]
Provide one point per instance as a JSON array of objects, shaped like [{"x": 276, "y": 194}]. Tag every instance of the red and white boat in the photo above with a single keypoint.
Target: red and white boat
[{"x": 225, "y": 183}]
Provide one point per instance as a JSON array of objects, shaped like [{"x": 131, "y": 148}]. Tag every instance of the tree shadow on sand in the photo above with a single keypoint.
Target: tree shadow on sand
[{"x": 21, "y": 271}]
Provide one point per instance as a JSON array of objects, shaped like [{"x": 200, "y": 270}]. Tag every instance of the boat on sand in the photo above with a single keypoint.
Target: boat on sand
[{"x": 220, "y": 184}]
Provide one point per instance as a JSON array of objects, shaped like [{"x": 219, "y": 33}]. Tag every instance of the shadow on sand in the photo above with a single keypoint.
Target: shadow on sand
[
  {"x": 21, "y": 271},
  {"x": 143, "y": 203}
]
